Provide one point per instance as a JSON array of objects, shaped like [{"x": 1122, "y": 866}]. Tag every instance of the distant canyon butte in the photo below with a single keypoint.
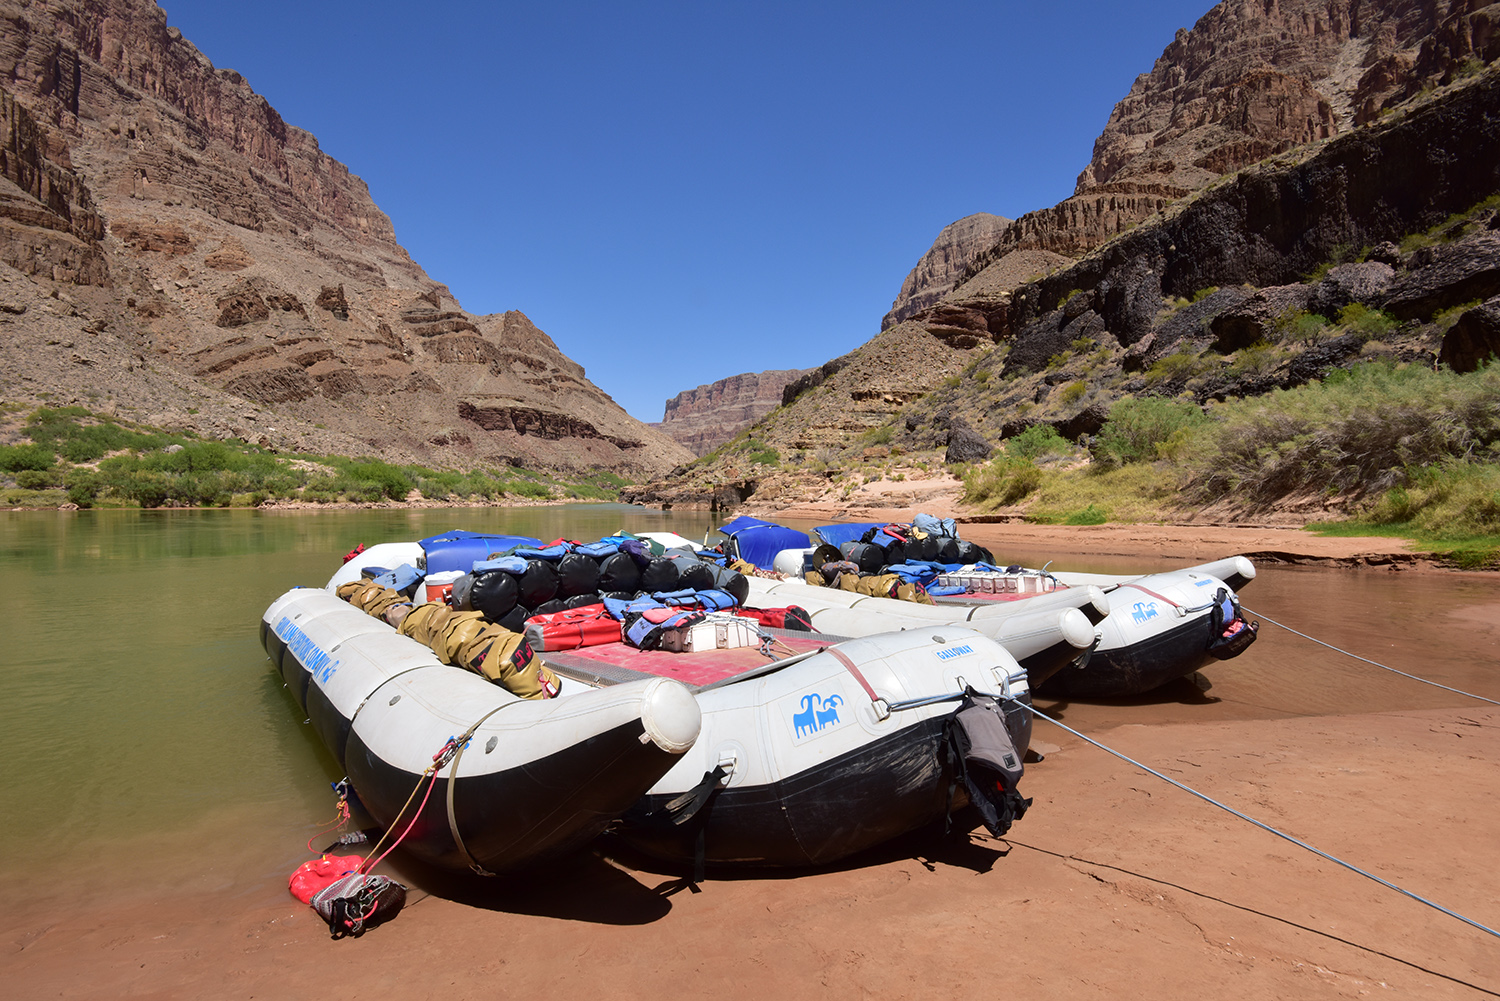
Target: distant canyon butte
[{"x": 172, "y": 251}]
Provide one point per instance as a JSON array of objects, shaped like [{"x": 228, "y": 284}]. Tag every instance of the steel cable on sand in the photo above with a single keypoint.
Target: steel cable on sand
[
  {"x": 1263, "y": 826},
  {"x": 1372, "y": 663}
]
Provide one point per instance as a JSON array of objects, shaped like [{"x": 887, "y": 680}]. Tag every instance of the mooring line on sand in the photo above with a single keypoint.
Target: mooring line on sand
[
  {"x": 1066, "y": 857},
  {"x": 1263, "y": 826},
  {"x": 1372, "y": 663}
]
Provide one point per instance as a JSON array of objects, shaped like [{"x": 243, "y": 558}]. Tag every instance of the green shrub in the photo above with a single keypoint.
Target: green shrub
[
  {"x": 1037, "y": 441},
  {"x": 1145, "y": 428},
  {"x": 1260, "y": 358},
  {"x": 1073, "y": 392},
  {"x": 1303, "y": 327},
  {"x": 1453, "y": 500},
  {"x": 83, "y": 486},
  {"x": 528, "y": 488},
  {"x": 1368, "y": 322},
  {"x": 1175, "y": 367},
  {"x": 78, "y": 436},
  {"x": 14, "y": 458},
  {"x": 1446, "y": 318},
  {"x": 1001, "y": 482},
  {"x": 1364, "y": 429},
  {"x": 39, "y": 479},
  {"x": 371, "y": 479},
  {"x": 1091, "y": 515},
  {"x": 766, "y": 457}
]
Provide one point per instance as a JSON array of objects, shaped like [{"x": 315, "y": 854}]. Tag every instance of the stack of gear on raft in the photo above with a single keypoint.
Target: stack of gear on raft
[
  {"x": 561, "y": 596},
  {"x": 899, "y": 561},
  {"x": 463, "y": 639}
]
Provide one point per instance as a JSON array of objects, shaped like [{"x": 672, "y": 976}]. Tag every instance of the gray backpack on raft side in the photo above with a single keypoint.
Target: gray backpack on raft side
[{"x": 984, "y": 758}]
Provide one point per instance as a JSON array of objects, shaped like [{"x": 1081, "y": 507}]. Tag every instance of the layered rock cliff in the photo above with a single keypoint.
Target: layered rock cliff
[
  {"x": 704, "y": 418},
  {"x": 201, "y": 242},
  {"x": 1253, "y": 78},
  {"x": 950, "y": 255}
]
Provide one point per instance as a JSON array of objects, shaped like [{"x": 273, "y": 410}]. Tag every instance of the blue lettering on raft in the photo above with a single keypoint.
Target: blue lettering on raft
[
  {"x": 311, "y": 656},
  {"x": 954, "y": 651}
]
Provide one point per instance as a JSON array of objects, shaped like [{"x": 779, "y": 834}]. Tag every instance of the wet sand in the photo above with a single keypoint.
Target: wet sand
[{"x": 1114, "y": 883}]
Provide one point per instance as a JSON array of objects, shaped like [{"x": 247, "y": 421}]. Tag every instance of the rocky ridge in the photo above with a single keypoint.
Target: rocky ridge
[
  {"x": 934, "y": 276},
  {"x": 1202, "y": 301},
  {"x": 1252, "y": 79},
  {"x": 210, "y": 262},
  {"x": 703, "y": 418}
]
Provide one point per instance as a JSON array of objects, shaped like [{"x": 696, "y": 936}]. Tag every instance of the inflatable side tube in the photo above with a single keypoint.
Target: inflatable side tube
[
  {"x": 815, "y": 773},
  {"x": 536, "y": 778},
  {"x": 1092, "y": 601},
  {"x": 1044, "y": 642},
  {"x": 1118, "y": 669},
  {"x": 1236, "y": 571},
  {"x": 387, "y": 554}
]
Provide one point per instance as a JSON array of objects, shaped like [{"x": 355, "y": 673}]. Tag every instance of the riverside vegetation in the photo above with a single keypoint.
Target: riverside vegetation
[
  {"x": 1405, "y": 450},
  {"x": 68, "y": 455}
]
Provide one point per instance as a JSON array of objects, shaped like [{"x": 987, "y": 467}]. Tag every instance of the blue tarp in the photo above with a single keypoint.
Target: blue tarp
[
  {"x": 743, "y": 522},
  {"x": 458, "y": 549},
  {"x": 837, "y": 535},
  {"x": 759, "y": 544}
]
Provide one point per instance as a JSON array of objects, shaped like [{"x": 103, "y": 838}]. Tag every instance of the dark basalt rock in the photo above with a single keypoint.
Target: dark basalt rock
[
  {"x": 1319, "y": 360},
  {"x": 1255, "y": 318},
  {"x": 1347, "y": 284},
  {"x": 1444, "y": 277},
  {"x": 967, "y": 445},
  {"x": 1190, "y": 323},
  {"x": 1474, "y": 339},
  {"x": 1088, "y": 421},
  {"x": 1052, "y": 335}
]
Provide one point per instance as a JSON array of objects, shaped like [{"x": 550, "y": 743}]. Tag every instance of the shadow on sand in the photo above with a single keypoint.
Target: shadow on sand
[{"x": 612, "y": 883}]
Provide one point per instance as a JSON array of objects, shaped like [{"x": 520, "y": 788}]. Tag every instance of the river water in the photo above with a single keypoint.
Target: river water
[{"x": 140, "y": 716}]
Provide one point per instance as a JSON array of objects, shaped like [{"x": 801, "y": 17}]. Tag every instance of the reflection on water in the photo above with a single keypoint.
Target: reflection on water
[{"x": 137, "y": 700}]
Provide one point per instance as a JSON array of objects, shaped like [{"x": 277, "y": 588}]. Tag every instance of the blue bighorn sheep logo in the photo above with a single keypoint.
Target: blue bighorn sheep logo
[
  {"x": 817, "y": 712},
  {"x": 1141, "y": 611}
]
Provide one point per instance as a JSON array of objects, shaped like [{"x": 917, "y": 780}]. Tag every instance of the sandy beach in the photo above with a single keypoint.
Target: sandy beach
[{"x": 1114, "y": 883}]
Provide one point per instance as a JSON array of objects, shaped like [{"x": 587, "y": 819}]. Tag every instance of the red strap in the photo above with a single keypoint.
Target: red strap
[
  {"x": 849, "y": 666},
  {"x": 1153, "y": 594}
]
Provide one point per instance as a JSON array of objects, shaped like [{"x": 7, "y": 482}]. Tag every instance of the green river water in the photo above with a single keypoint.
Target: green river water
[{"x": 135, "y": 698}]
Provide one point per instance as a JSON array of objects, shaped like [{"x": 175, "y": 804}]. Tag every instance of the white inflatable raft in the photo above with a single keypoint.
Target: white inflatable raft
[
  {"x": 533, "y": 778},
  {"x": 1147, "y": 629}
]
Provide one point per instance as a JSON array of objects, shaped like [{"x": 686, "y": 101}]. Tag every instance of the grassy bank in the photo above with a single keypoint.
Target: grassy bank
[
  {"x": 69, "y": 455},
  {"x": 1399, "y": 450}
]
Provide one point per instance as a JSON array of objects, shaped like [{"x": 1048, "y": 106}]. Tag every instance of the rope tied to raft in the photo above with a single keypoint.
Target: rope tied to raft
[
  {"x": 1366, "y": 660},
  {"x": 1263, "y": 826},
  {"x": 341, "y": 814},
  {"x": 429, "y": 776}
]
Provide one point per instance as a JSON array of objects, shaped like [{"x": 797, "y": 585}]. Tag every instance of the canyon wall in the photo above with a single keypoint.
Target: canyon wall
[
  {"x": 702, "y": 419},
  {"x": 220, "y": 273}
]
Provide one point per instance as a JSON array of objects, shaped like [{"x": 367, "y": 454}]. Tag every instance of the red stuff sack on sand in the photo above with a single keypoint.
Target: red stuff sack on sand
[
  {"x": 348, "y": 900},
  {"x": 321, "y": 873}
]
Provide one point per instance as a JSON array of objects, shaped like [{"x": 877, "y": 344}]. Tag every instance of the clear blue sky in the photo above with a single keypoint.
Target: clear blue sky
[{"x": 679, "y": 192}]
